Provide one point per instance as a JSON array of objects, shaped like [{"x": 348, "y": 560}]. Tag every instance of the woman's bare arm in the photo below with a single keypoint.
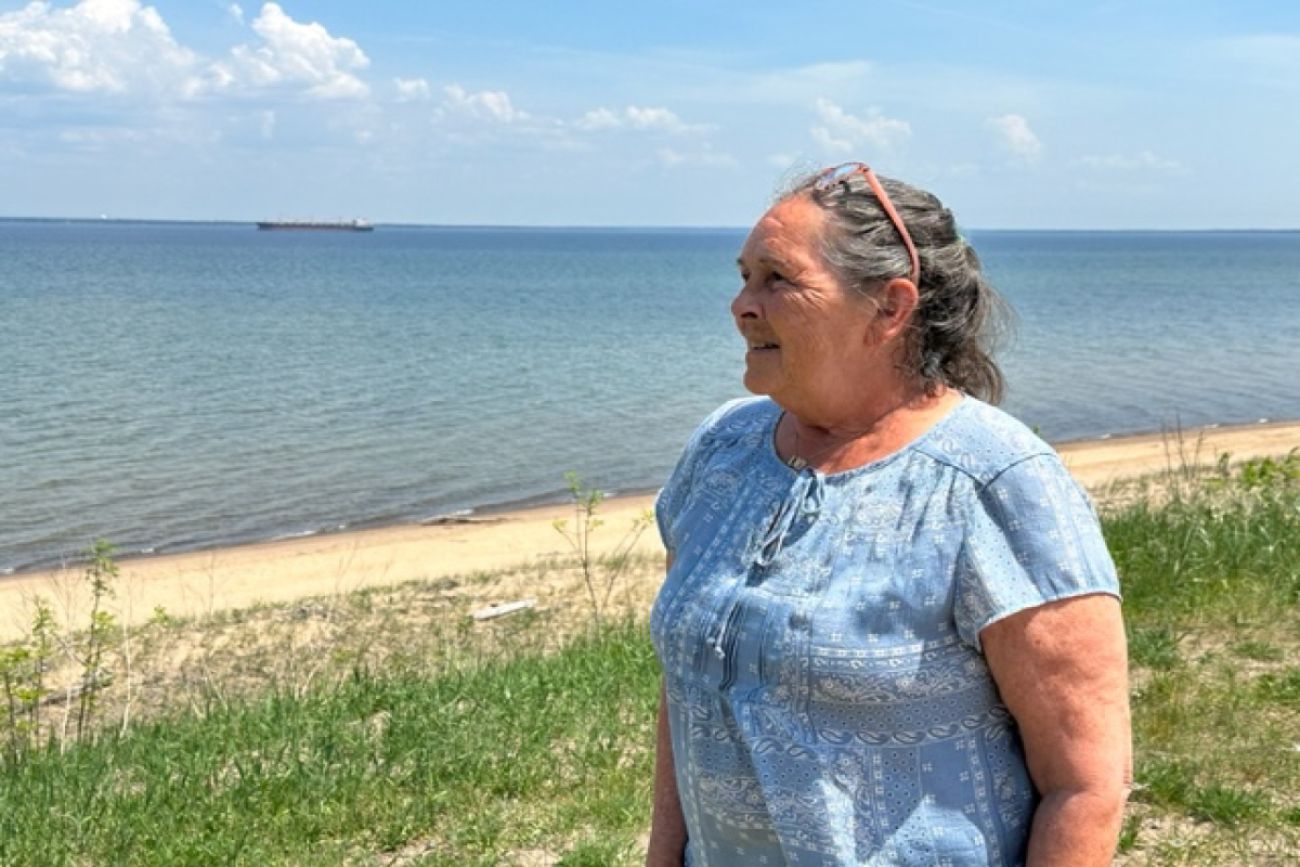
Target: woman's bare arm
[
  {"x": 1062, "y": 669},
  {"x": 667, "y": 827}
]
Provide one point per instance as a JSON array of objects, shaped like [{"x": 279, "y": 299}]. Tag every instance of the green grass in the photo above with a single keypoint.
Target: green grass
[
  {"x": 450, "y": 744},
  {"x": 1211, "y": 581},
  {"x": 1154, "y": 647},
  {"x": 543, "y": 753},
  {"x": 1260, "y": 651}
]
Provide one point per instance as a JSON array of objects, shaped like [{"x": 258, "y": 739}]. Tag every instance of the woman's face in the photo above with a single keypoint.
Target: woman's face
[{"x": 807, "y": 333}]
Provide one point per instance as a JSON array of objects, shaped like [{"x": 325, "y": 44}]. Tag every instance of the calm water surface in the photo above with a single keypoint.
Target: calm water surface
[{"x": 173, "y": 386}]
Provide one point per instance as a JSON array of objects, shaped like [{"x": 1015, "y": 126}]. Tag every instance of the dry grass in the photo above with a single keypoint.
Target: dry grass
[{"x": 169, "y": 664}]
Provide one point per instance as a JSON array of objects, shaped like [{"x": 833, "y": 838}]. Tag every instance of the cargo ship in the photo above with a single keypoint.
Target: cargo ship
[{"x": 318, "y": 225}]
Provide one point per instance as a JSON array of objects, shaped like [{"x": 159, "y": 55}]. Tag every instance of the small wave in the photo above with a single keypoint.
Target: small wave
[
  {"x": 298, "y": 534},
  {"x": 452, "y": 517}
]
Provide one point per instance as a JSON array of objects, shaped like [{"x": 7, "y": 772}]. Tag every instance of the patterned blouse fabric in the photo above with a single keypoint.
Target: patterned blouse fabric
[{"x": 819, "y": 635}]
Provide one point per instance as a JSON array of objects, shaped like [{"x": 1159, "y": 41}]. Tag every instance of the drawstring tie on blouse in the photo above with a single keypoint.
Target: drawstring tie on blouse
[{"x": 804, "y": 499}]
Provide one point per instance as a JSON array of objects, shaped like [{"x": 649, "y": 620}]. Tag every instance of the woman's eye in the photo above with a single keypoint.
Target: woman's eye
[{"x": 776, "y": 277}]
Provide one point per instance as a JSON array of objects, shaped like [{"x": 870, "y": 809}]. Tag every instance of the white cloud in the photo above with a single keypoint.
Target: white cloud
[
  {"x": 844, "y": 132},
  {"x": 490, "y": 104},
  {"x": 1014, "y": 134},
  {"x": 1140, "y": 161},
  {"x": 93, "y": 138},
  {"x": 96, "y": 46},
  {"x": 823, "y": 137},
  {"x": 706, "y": 157},
  {"x": 654, "y": 118},
  {"x": 598, "y": 119},
  {"x": 411, "y": 89},
  {"x": 122, "y": 46},
  {"x": 637, "y": 118},
  {"x": 293, "y": 54}
]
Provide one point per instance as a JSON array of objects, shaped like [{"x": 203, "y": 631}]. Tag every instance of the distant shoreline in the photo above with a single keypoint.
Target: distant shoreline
[{"x": 511, "y": 227}]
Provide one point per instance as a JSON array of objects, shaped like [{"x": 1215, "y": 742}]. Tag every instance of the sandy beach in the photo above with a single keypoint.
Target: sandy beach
[{"x": 204, "y": 582}]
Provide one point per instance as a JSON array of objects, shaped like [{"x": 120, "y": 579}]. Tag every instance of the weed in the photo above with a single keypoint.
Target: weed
[
  {"x": 596, "y": 853},
  {"x": 1225, "y": 805},
  {"x": 1280, "y": 687},
  {"x": 1128, "y": 835},
  {"x": 1259, "y": 651},
  {"x": 1153, "y": 646},
  {"x": 1270, "y": 472},
  {"x": 23, "y": 671},
  {"x": 600, "y": 574},
  {"x": 1166, "y": 783},
  {"x": 100, "y": 573}
]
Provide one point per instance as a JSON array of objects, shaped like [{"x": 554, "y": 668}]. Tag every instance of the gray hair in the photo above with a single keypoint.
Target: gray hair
[{"x": 959, "y": 318}]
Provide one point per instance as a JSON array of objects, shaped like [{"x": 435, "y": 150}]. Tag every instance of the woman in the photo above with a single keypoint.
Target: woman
[{"x": 890, "y": 631}]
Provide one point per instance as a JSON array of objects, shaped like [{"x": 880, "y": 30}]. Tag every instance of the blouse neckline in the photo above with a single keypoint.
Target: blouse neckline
[{"x": 770, "y": 453}]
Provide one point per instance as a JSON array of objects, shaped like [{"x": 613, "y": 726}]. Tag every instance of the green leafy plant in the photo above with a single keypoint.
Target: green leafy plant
[
  {"x": 600, "y": 574},
  {"x": 1270, "y": 472},
  {"x": 14, "y": 666},
  {"x": 23, "y": 669},
  {"x": 100, "y": 573}
]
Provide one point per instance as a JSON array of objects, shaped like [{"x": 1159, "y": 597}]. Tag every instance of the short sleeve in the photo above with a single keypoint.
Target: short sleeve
[
  {"x": 1032, "y": 537},
  {"x": 673, "y": 495}
]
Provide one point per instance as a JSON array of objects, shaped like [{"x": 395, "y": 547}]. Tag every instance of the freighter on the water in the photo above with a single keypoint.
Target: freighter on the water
[{"x": 319, "y": 225}]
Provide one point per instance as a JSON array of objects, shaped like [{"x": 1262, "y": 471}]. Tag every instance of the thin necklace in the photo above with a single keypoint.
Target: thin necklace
[{"x": 796, "y": 462}]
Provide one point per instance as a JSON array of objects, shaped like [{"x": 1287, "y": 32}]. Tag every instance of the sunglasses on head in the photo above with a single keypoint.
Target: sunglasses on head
[{"x": 834, "y": 176}]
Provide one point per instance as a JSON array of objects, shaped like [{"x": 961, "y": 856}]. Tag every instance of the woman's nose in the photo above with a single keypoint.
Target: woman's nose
[{"x": 743, "y": 305}]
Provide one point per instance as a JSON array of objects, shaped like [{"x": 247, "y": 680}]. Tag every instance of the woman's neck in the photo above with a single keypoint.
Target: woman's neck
[{"x": 853, "y": 436}]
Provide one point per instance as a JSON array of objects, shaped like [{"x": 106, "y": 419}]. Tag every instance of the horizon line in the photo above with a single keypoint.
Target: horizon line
[{"x": 619, "y": 227}]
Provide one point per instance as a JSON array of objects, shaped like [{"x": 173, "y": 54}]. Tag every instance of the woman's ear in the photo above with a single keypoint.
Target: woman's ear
[{"x": 895, "y": 304}]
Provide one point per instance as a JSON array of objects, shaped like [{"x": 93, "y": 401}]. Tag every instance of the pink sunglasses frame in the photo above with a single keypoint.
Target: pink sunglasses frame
[{"x": 827, "y": 180}]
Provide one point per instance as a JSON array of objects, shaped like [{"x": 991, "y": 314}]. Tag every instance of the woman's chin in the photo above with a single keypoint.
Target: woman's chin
[{"x": 757, "y": 383}]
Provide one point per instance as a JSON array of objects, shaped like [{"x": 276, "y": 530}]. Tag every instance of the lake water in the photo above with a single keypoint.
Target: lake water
[{"x": 178, "y": 386}]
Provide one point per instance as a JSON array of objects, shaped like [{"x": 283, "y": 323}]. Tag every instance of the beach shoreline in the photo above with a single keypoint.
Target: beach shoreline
[{"x": 202, "y": 582}]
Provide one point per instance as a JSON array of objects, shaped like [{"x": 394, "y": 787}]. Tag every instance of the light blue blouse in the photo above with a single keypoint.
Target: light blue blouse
[{"x": 819, "y": 636}]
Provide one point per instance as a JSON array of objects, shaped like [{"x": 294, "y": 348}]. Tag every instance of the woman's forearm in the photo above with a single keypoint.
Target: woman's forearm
[
  {"x": 1062, "y": 670},
  {"x": 667, "y": 827},
  {"x": 1076, "y": 829}
]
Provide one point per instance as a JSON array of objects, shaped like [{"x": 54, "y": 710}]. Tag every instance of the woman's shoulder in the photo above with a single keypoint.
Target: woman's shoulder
[
  {"x": 735, "y": 430},
  {"x": 738, "y": 418},
  {"x": 982, "y": 441},
  {"x": 737, "y": 423}
]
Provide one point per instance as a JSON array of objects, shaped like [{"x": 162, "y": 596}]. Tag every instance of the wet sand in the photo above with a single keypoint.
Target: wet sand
[{"x": 203, "y": 582}]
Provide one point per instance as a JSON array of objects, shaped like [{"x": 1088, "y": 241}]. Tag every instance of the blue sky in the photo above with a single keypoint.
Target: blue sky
[{"x": 1018, "y": 114}]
